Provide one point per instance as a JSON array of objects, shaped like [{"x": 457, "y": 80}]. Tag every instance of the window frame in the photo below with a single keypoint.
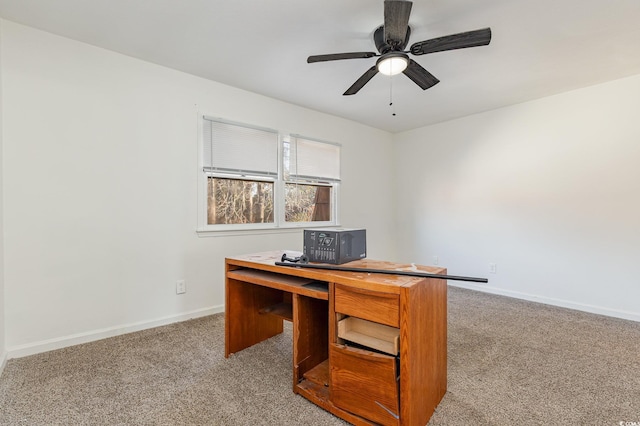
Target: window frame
[{"x": 279, "y": 224}]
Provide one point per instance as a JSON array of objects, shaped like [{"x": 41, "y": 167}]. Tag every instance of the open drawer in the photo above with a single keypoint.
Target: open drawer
[
  {"x": 365, "y": 383},
  {"x": 370, "y": 334}
]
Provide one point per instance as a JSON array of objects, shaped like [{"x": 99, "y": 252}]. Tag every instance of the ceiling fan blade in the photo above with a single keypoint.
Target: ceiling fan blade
[
  {"x": 364, "y": 79},
  {"x": 396, "y": 21},
  {"x": 454, "y": 41},
  {"x": 338, "y": 56},
  {"x": 419, "y": 75}
]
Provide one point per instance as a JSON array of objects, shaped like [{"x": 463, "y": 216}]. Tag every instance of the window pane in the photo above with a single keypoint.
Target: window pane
[
  {"x": 236, "y": 201},
  {"x": 226, "y": 146},
  {"x": 307, "y": 203},
  {"x": 307, "y": 159}
]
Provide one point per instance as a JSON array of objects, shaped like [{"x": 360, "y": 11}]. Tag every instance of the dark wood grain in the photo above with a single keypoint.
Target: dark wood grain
[
  {"x": 340, "y": 56},
  {"x": 420, "y": 76},
  {"x": 360, "y": 82},
  {"x": 454, "y": 41},
  {"x": 396, "y": 21}
]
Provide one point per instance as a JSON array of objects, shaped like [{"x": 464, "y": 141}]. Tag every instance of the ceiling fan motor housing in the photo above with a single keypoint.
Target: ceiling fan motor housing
[{"x": 381, "y": 44}]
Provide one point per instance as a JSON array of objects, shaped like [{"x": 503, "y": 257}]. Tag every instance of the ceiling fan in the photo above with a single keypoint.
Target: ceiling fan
[{"x": 391, "y": 39}]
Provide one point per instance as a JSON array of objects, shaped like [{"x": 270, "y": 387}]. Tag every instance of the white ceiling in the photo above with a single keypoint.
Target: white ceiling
[{"x": 539, "y": 48}]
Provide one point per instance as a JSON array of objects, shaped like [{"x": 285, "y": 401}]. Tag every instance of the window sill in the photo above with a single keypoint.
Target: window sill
[{"x": 205, "y": 233}]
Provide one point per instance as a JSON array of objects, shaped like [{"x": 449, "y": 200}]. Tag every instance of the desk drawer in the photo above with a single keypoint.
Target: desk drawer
[
  {"x": 376, "y": 306},
  {"x": 365, "y": 383}
]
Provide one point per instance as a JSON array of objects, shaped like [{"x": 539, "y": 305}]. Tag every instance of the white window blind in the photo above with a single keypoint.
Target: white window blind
[
  {"x": 313, "y": 160},
  {"x": 236, "y": 148}
]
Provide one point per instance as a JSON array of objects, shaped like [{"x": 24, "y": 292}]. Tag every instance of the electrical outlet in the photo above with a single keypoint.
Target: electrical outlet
[
  {"x": 493, "y": 268},
  {"x": 181, "y": 287},
  {"x": 435, "y": 260}
]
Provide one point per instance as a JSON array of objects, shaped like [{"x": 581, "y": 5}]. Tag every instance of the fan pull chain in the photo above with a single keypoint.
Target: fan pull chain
[{"x": 393, "y": 108}]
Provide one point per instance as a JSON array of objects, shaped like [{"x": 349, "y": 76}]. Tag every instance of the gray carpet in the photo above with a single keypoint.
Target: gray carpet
[{"x": 510, "y": 363}]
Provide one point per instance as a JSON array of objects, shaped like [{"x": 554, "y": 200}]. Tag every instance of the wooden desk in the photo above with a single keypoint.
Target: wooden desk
[{"x": 337, "y": 333}]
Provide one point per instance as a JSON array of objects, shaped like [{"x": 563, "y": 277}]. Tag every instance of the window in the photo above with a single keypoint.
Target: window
[
  {"x": 241, "y": 167},
  {"x": 256, "y": 178},
  {"x": 311, "y": 172}
]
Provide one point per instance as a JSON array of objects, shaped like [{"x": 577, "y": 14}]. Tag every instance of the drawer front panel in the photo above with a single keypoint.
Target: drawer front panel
[
  {"x": 364, "y": 383},
  {"x": 376, "y": 306}
]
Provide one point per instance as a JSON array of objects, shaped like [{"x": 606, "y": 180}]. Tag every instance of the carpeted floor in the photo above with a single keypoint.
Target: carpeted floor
[{"x": 510, "y": 363}]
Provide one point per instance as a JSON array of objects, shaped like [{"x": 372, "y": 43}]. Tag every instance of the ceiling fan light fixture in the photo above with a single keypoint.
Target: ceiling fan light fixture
[{"x": 392, "y": 63}]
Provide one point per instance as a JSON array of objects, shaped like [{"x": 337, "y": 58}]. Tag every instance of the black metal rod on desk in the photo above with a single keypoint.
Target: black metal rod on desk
[{"x": 382, "y": 271}]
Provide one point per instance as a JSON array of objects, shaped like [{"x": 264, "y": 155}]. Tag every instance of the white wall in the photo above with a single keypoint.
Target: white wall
[
  {"x": 548, "y": 190},
  {"x": 100, "y": 156},
  {"x": 99, "y": 175},
  {"x": 3, "y": 351}
]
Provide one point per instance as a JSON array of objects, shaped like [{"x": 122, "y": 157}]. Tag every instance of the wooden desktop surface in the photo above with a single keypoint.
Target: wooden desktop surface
[{"x": 388, "y": 283}]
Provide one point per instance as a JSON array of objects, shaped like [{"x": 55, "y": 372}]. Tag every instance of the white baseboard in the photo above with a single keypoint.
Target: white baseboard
[
  {"x": 3, "y": 362},
  {"x": 90, "y": 336},
  {"x": 76, "y": 339},
  {"x": 632, "y": 316}
]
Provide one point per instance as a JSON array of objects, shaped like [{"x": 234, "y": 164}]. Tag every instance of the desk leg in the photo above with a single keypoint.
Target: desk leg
[{"x": 244, "y": 326}]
